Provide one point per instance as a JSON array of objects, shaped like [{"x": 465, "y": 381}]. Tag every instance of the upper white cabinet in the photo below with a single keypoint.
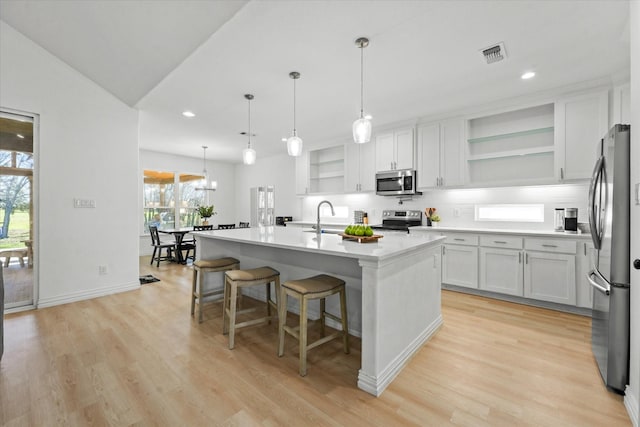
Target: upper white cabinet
[
  {"x": 581, "y": 121},
  {"x": 321, "y": 171},
  {"x": 440, "y": 160},
  {"x": 395, "y": 150},
  {"x": 360, "y": 169},
  {"x": 621, "y": 105},
  {"x": 512, "y": 147},
  {"x": 302, "y": 173}
]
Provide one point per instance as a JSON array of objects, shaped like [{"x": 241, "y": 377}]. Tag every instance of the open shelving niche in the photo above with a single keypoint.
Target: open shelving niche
[
  {"x": 513, "y": 146},
  {"x": 326, "y": 170}
]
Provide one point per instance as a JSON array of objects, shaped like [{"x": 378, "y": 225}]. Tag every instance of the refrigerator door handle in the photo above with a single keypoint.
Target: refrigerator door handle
[
  {"x": 594, "y": 224},
  {"x": 598, "y": 286}
]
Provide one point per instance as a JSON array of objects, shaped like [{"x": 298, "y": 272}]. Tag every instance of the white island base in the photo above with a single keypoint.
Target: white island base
[{"x": 393, "y": 286}]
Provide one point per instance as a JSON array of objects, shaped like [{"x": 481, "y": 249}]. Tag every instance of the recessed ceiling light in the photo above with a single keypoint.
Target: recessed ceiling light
[
  {"x": 188, "y": 114},
  {"x": 20, "y": 136},
  {"x": 527, "y": 75},
  {"x": 284, "y": 139}
]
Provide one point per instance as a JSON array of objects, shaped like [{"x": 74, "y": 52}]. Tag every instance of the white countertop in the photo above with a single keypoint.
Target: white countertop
[
  {"x": 391, "y": 245},
  {"x": 541, "y": 233}
]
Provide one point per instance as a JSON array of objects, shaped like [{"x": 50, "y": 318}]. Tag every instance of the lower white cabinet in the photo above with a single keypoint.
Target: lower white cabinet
[
  {"x": 550, "y": 277},
  {"x": 584, "y": 261},
  {"x": 501, "y": 271},
  {"x": 460, "y": 265}
]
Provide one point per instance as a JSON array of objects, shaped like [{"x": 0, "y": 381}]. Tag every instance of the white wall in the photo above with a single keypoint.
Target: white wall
[
  {"x": 224, "y": 198},
  {"x": 463, "y": 200},
  {"x": 632, "y": 398},
  {"x": 87, "y": 149},
  {"x": 278, "y": 171}
]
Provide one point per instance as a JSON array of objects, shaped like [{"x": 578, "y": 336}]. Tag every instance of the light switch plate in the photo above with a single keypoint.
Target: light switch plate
[{"x": 84, "y": 203}]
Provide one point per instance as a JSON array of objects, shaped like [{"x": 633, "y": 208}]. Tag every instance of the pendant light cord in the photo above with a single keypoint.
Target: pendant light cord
[
  {"x": 249, "y": 123},
  {"x": 361, "y": 80},
  {"x": 294, "y": 107}
]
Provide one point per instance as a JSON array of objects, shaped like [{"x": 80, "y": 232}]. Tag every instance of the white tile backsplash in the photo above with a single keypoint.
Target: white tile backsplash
[{"x": 462, "y": 202}]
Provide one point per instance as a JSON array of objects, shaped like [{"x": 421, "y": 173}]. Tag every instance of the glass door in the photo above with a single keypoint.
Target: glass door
[{"x": 16, "y": 209}]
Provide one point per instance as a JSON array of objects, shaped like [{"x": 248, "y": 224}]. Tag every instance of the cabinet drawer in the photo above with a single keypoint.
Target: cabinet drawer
[
  {"x": 462, "y": 239},
  {"x": 549, "y": 245},
  {"x": 506, "y": 242}
]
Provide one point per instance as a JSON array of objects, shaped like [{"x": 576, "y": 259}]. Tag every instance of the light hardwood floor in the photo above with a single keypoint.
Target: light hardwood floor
[{"x": 138, "y": 358}]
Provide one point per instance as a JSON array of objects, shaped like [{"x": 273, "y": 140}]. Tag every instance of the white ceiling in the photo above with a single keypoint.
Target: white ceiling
[{"x": 423, "y": 60}]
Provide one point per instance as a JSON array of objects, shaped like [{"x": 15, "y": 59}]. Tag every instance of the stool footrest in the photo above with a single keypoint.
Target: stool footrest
[
  {"x": 331, "y": 316},
  {"x": 294, "y": 332},
  {"x": 324, "y": 340},
  {"x": 253, "y": 322}
]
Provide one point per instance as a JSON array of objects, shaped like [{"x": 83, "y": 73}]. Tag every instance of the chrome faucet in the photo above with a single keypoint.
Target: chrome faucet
[{"x": 333, "y": 213}]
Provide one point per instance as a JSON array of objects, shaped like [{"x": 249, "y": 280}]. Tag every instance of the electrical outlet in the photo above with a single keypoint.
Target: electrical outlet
[
  {"x": 84, "y": 203},
  {"x": 102, "y": 270}
]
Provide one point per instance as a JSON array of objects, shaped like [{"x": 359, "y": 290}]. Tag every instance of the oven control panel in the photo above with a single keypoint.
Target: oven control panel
[{"x": 407, "y": 215}]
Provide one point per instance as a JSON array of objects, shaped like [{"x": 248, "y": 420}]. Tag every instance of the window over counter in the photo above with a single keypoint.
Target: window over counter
[
  {"x": 510, "y": 212},
  {"x": 170, "y": 199}
]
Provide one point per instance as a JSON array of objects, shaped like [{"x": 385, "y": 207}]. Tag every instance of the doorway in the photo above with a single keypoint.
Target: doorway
[{"x": 17, "y": 210}]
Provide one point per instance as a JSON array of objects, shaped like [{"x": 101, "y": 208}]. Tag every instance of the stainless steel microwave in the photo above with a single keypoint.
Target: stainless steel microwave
[{"x": 396, "y": 183}]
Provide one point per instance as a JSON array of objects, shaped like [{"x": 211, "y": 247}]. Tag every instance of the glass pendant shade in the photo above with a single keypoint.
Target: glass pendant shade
[
  {"x": 294, "y": 145},
  {"x": 204, "y": 183},
  {"x": 362, "y": 130},
  {"x": 248, "y": 156}
]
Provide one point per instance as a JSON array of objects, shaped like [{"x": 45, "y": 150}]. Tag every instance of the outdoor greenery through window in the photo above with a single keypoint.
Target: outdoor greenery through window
[
  {"x": 15, "y": 198},
  {"x": 171, "y": 199}
]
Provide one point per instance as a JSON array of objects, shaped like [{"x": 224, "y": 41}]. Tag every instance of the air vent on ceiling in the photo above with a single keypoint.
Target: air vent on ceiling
[{"x": 494, "y": 53}]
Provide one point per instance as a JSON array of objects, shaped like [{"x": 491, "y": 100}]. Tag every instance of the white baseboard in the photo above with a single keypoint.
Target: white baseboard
[
  {"x": 631, "y": 403},
  {"x": 376, "y": 385},
  {"x": 86, "y": 294}
]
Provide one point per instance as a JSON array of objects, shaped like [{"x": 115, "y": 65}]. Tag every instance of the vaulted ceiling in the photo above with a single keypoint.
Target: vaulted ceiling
[{"x": 424, "y": 59}]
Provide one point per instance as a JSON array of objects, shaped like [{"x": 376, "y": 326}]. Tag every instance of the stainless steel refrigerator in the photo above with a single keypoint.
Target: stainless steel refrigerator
[{"x": 609, "y": 220}]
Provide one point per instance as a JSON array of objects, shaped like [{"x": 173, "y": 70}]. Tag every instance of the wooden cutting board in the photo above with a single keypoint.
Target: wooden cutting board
[{"x": 361, "y": 239}]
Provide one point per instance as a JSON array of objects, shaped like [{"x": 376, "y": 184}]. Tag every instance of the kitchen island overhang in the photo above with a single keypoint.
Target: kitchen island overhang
[{"x": 393, "y": 286}]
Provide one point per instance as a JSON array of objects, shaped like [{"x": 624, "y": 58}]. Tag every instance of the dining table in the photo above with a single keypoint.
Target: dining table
[{"x": 178, "y": 234}]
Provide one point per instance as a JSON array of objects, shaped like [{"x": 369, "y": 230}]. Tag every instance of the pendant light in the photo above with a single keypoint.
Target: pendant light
[
  {"x": 294, "y": 142},
  {"x": 205, "y": 176},
  {"x": 362, "y": 126},
  {"x": 249, "y": 154}
]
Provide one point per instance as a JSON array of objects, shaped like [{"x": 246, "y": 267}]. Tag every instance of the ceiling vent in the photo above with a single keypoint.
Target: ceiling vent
[{"x": 494, "y": 53}]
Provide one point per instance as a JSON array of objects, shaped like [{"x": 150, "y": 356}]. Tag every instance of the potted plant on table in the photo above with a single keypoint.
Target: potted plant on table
[{"x": 205, "y": 213}]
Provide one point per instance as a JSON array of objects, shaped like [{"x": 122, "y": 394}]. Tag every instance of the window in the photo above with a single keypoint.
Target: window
[
  {"x": 510, "y": 213},
  {"x": 170, "y": 199}
]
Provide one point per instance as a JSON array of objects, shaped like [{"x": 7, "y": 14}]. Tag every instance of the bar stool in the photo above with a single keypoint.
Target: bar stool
[
  {"x": 208, "y": 266},
  {"x": 305, "y": 290},
  {"x": 234, "y": 281}
]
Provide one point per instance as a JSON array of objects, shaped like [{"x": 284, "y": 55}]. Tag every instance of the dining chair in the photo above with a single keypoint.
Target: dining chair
[
  {"x": 202, "y": 227},
  {"x": 226, "y": 226},
  {"x": 158, "y": 246},
  {"x": 243, "y": 225}
]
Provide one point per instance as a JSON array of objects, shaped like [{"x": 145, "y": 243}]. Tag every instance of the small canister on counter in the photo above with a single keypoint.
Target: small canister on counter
[
  {"x": 365, "y": 218},
  {"x": 570, "y": 220}
]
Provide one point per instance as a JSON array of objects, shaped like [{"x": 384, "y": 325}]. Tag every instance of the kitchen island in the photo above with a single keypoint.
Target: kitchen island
[{"x": 393, "y": 285}]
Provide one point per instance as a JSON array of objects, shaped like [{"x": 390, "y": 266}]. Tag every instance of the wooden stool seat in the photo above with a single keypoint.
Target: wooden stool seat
[
  {"x": 208, "y": 266},
  {"x": 236, "y": 280},
  {"x": 304, "y": 290}
]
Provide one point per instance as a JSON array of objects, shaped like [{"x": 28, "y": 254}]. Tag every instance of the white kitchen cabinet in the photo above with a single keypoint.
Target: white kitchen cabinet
[
  {"x": 621, "y": 105},
  {"x": 580, "y": 122},
  {"x": 302, "y": 174},
  {"x": 395, "y": 150},
  {"x": 501, "y": 271},
  {"x": 460, "y": 265},
  {"x": 440, "y": 160},
  {"x": 550, "y": 277},
  {"x": 360, "y": 168},
  {"x": 512, "y": 147}
]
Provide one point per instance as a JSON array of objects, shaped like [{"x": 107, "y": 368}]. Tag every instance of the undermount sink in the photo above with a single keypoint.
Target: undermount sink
[{"x": 324, "y": 231}]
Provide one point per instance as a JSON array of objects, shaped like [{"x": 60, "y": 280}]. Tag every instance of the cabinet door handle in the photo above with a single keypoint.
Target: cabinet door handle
[
  {"x": 443, "y": 251},
  {"x": 500, "y": 241},
  {"x": 441, "y": 181},
  {"x": 561, "y": 173},
  {"x": 585, "y": 249},
  {"x": 549, "y": 246},
  {"x": 519, "y": 257},
  {"x": 459, "y": 240},
  {"x": 526, "y": 258}
]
